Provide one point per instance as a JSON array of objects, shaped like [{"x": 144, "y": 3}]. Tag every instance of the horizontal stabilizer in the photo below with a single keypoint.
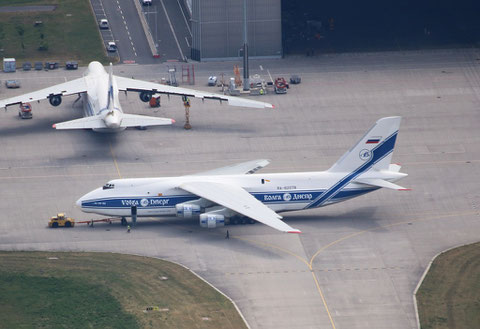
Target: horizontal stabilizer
[
  {"x": 394, "y": 167},
  {"x": 133, "y": 120},
  {"x": 378, "y": 182},
  {"x": 93, "y": 122}
]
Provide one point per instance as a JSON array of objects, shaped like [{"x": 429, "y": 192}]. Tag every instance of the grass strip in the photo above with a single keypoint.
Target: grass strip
[
  {"x": 70, "y": 32},
  {"x": 449, "y": 296},
  {"x": 101, "y": 290}
]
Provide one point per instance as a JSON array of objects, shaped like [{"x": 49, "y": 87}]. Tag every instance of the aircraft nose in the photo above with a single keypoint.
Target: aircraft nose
[{"x": 79, "y": 202}]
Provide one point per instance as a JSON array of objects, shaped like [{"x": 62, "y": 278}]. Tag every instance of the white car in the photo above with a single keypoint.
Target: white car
[
  {"x": 111, "y": 47},
  {"x": 146, "y": 2},
  {"x": 212, "y": 80},
  {"x": 103, "y": 24}
]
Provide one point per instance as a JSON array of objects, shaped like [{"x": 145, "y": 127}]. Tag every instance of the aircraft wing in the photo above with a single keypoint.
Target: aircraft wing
[
  {"x": 64, "y": 89},
  {"x": 237, "y": 199},
  {"x": 248, "y": 167},
  {"x": 126, "y": 84}
]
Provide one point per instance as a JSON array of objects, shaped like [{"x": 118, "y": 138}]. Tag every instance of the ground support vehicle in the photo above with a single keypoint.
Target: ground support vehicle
[
  {"x": 61, "y": 221},
  {"x": 280, "y": 86},
  {"x": 25, "y": 111}
]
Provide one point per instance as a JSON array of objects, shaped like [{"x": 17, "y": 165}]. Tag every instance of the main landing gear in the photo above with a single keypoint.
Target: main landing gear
[{"x": 133, "y": 212}]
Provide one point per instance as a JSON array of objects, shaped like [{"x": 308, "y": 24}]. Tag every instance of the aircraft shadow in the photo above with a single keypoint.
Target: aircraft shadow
[
  {"x": 28, "y": 127},
  {"x": 218, "y": 128},
  {"x": 363, "y": 218},
  {"x": 190, "y": 228}
]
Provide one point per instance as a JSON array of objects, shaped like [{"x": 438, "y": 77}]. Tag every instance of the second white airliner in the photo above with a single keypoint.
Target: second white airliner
[{"x": 102, "y": 111}]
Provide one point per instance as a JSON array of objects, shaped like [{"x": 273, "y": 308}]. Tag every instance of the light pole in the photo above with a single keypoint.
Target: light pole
[{"x": 246, "y": 80}]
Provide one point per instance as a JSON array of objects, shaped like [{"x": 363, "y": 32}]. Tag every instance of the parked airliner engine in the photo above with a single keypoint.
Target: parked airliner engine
[
  {"x": 145, "y": 96},
  {"x": 55, "y": 100},
  {"x": 187, "y": 210},
  {"x": 212, "y": 220}
]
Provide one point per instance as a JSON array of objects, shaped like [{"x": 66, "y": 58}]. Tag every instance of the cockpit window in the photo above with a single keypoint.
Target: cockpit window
[{"x": 108, "y": 186}]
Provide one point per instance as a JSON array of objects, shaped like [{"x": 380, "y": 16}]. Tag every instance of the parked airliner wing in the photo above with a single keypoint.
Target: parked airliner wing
[
  {"x": 67, "y": 88},
  {"x": 126, "y": 84},
  {"x": 237, "y": 199},
  {"x": 248, "y": 167}
]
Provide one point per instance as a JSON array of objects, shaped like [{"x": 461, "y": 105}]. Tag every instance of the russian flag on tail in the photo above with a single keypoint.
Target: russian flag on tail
[{"x": 374, "y": 140}]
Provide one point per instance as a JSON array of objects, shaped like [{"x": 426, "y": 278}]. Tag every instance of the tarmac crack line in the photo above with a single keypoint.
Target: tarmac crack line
[
  {"x": 317, "y": 285},
  {"x": 114, "y": 160}
]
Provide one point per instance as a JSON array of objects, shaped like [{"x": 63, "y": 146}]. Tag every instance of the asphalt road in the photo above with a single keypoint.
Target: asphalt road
[
  {"x": 169, "y": 23},
  {"x": 125, "y": 29},
  {"x": 356, "y": 264}
]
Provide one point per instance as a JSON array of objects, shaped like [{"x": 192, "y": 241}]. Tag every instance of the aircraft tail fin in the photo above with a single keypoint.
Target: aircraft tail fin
[
  {"x": 110, "y": 88},
  {"x": 374, "y": 149}
]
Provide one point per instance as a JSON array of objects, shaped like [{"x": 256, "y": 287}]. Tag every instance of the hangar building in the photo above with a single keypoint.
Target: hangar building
[{"x": 217, "y": 28}]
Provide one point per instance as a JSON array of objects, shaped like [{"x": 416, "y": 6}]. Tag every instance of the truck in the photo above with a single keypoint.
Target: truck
[
  {"x": 61, "y": 221},
  {"x": 280, "y": 86},
  {"x": 25, "y": 111}
]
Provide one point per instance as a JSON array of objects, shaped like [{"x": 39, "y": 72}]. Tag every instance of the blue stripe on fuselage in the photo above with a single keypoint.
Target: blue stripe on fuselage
[{"x": 284, "y": 197}]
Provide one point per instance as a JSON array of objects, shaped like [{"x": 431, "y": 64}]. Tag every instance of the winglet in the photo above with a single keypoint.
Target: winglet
[
  {"x": 54, "y": 126},
  {"x": 296, "y": 231}
]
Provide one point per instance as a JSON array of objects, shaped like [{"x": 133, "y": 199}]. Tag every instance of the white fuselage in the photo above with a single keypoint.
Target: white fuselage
[
  {"x": 96, "y": 99},
  {"x": 280, "y": 192}
]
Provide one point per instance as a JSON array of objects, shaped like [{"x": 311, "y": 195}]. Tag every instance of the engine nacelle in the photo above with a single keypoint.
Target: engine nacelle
[
  {"x": 187, "y": 210},
  {"x": 145, "y": 96},
  {"x": 212, "y": 220},
  {"x": 55, "y": 100}
]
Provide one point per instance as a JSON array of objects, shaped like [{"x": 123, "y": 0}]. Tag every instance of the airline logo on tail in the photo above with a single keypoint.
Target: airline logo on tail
[{"x": 365, "y": 154}]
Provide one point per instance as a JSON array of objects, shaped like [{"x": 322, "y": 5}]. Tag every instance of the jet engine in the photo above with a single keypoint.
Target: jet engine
[
  {"x": 145, "y": 96},
  {"x": 210, "y": 220},
  {"x": 187, "y": 210},
  {"x": 55, "y": 100}
]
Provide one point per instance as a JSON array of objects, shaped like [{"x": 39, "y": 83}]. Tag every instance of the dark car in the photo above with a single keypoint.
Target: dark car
[
  {"x": 295, "y": 79},
  {"x": 12, "y": 84},
  {"x": 27, "y": 66},
  {"x": 71, "y": 65},
  {"x": 51, "y": 65}
]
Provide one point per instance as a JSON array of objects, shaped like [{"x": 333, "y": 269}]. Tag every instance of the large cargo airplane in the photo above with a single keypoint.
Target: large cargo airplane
[
  {"x": 102, "y": 111},
  {"x": 230, "y": 193}
]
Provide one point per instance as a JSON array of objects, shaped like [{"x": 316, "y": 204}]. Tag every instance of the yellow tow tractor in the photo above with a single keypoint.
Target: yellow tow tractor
[{"x": 61, "y": 221}]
